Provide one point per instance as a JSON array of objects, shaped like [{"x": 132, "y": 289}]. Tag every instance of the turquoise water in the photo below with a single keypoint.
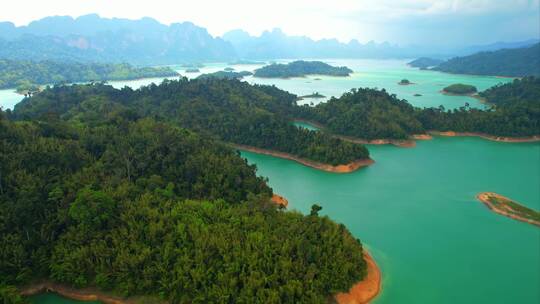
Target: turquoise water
[
  {"x": 304, "y": 125},
  {"x": 382, "y": 74},
  {"x": 367, "y": 73},
  {"x": 53, "y": 298},
  {"x": 416, "y": 211}
]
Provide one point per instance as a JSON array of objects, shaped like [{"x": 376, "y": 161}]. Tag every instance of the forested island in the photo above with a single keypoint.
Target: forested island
[
  {"x": 518, "y": 62},
  {"x": 425, "y": 62},
  {"x": 233, "y": 111},
  {"x": 301, "y": 68},
  {"x": 460, "y": 89},
  {"x": 374, "y": 114},
  {"x": 17, "y": 73},
  {"x": 404, "y": 82},
  {"x": 226, "y": 74},
  {"x": 312, "y": 95},
  {"x": 96, "y": 195}
]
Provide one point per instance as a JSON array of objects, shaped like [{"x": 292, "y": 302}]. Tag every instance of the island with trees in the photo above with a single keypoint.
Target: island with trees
[
  {"x": 301, "y": 68},
  {"x": 99, "y": 190},
  {"x": 192, "y": 70},
  {"x": 509, "y": 208},
  {"x": 405, "y": 82},
  {"x": 253, "y": 117},
  {"x": 425, "y": 62},
  {"x": 17, "y": 73},
  {"x": 460, "y": 89},
  {"x": 312, "y": 95},
  {"x": 226, "y": 74}
]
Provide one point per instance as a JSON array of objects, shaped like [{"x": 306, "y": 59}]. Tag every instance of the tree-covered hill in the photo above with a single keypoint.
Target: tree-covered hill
[
  {"x": 506, "y": 62},
  {"x": 140, "y": 207},
  {"x": 301, "y": 68},
  {"x": 231, "y": 110},
  {"x": 374, "y": 114},
  {"x": 17, "y": 73}
]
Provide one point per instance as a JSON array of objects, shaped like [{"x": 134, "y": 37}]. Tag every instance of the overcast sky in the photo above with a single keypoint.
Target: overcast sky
[{"x": 452, "y": 22}]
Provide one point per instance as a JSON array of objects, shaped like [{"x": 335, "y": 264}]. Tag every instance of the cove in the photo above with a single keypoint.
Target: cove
[
  {"x": 415, "y": 210},
  {"x": 53, "y": 298}
]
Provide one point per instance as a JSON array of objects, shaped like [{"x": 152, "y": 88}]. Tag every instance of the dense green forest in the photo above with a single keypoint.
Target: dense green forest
[
  {"x": 506, "y": 62},
  {"x": 460, "y": 89},
  {"x": 135, "y": 206},
  {"x": 19, "y": 72},
  {"x": 301, "y": 68},
  {"x": 373, "y": 114},
  {"x": 231, "y": 110},
  {"x": 365, "y": 113}
]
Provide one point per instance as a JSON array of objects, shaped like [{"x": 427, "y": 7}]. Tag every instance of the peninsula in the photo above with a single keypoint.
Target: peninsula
[{"x": 509, "y": 208}]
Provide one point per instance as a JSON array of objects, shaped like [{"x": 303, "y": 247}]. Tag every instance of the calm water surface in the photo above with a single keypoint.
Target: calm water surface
[
  {"x": 53, "y": 298},
  {"x": 416, "y": 211},
  {"x": 367, "y": 73}
]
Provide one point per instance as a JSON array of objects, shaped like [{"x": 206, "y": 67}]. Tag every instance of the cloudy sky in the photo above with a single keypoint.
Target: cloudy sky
[{"x": 405, "y": 22}]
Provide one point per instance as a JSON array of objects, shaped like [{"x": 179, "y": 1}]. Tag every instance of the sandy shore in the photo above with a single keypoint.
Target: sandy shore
[
  {"x": 488, "y": 137},
  {"x": 406, "y": 143},
  {"x": 507, "y": 211},
  {"x": 86, "y": 294},
  {"x": 347, "y": 168},
  {"x": 280, "y": 200},
  {"x": 365, "y": 290}
]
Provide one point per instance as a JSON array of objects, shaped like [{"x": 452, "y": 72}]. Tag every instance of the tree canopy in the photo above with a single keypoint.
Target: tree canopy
[
  {"x": 134, "y": 206},
  {"x": 301, "y": 68},
  {"x": 231, "y": 110}
]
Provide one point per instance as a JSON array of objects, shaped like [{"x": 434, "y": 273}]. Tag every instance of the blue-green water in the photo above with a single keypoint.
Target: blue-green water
[
  {"x": 305, "y": 125},
  {"x": 367, "y": 73},
  {"x": 416, "y": 211},
  {"x": 53, "y": 298}
]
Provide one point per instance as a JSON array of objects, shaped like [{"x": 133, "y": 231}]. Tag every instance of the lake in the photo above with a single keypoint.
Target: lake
[
  {"x": 416, "y": 211},
  {"x": 367, "y": 73},
  {"x": 415, "y": 208}
]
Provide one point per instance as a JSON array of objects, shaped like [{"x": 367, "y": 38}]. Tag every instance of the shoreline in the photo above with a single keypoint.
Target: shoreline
[
  {"x": 279, "y": 200},
  {"x": 484, "y": 198},
  {"x": 347, "y": 168},
  {"x": 471, "y": 95},
  {"x": 402, "y": 143},
  {"x": 506, "y": 139},
  {"x": 366, "y": 290},
  {"x": 309, "y": 122},
  {"x": 86, "y": 294}
]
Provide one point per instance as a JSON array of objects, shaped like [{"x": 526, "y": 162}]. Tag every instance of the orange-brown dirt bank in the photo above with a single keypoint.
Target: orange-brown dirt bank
[{"x": 365, "y": 290}]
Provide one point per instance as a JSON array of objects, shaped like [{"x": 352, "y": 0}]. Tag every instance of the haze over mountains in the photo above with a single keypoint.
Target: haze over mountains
[{"x": 146, "y": 41}]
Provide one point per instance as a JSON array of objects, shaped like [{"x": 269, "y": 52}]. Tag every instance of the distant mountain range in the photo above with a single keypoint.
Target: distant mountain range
[
  {"x": 91, "y": 38},
  {"x": 276, "y": 44}
]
